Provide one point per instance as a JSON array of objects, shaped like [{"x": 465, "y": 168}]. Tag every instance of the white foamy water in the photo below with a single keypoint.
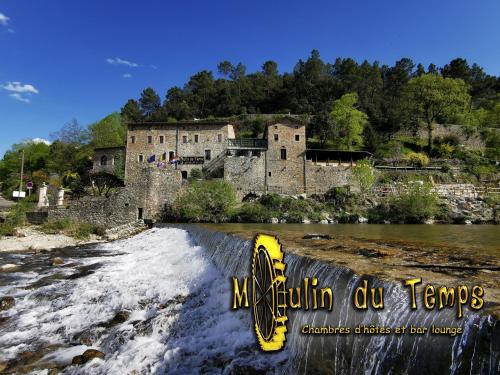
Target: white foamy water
[{"x": 180, "y": 319}]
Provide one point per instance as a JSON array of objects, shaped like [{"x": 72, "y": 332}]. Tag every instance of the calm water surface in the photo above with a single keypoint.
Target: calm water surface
[{"x": 484, "y": 238}]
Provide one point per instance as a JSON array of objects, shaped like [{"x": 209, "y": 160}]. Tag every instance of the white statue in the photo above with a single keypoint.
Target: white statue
[{"x": 43, "y": 200}]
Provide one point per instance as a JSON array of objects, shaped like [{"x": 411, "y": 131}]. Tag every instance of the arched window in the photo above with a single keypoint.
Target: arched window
[{"x": 104, "y": 160}]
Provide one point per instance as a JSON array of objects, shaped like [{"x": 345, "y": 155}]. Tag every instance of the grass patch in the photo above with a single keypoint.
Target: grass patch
[
  {"x": 71, "y": 228},
  {"x": 15, "y": 218}
]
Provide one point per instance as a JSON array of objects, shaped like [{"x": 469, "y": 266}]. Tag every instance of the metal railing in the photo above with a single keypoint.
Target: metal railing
[{"x": 248, "y": 143}]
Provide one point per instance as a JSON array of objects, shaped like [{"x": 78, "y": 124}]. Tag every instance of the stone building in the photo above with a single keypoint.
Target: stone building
[
  {"x": 108, "y": 159},
  {"x": 160, "y": 156}
]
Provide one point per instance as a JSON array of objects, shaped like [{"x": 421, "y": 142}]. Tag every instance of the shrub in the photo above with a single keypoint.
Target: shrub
[
  {"x": 83, "y": 230},
  {"x": 56, "y": 226},
  {"x": 417, "y": 159},
  {"x": 414, "y": 205},
  {"x": 253, "y": 212},
  {"x": 206, "y": 201},
  {"x": 15, "y": 218},
  {"x": 195, "y": 174},
  {"x": 364, "y": 175}
]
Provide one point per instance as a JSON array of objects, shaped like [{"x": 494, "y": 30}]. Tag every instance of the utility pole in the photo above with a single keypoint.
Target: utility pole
[{"x": 22, "y": 172}]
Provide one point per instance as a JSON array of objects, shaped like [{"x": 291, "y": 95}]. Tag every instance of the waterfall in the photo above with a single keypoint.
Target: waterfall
[{"x": 476, "y": 351}]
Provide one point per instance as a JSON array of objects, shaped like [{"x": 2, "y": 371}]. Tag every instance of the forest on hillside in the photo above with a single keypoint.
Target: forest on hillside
[{"x": 312, "y": 87}]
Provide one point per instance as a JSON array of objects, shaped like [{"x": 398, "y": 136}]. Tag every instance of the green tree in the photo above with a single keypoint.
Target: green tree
[
  {"x": 206, "y": 201},
  {"x": 149, "y": 103},
  {"x": 349, "y": 120},
  {"x": 363, "y": 174},
  {"x": 431, "y": 97},
  {"x": 108, "y": 132},
  {"x": 131, "y": 111}
]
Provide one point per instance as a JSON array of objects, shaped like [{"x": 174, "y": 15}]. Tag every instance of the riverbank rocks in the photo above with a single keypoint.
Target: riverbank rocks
[
  {"x": 317, "y": 236},
  {"x": 9, "y": 267},
  {"x": 362, "y": 220},
  {"x": 7, "y": 303},
  {"x": 119, "y": 318},
  {"x": 462, "y": 210},
  {"x": 56, "y": 261},
  {"x": 87, "y": 356}
]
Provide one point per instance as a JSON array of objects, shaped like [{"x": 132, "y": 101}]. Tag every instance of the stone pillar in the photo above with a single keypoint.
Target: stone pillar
[
  {"x": 43, "y": 201},
  {"x": 60, "y": 196}
]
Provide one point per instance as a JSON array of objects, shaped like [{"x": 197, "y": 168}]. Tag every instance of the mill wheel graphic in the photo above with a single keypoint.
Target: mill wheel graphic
[{"x": 269, "y": 293}]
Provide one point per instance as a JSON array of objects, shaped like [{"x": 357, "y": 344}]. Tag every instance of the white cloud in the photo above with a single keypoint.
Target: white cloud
[
  {"x": 40, "y": 140},
  {"x": 20, "y": 88},
  {"x": 127, "y": 75},
  {"x": 4, "y": 20},
  {"x": 19, "y": 97},
  {"x": 118, "y": 61}
]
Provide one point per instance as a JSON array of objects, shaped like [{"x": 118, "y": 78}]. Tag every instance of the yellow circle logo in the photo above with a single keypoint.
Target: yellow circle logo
[{"x": 269, "y": 292}]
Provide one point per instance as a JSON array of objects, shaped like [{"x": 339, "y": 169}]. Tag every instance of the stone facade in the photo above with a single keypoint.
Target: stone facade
[
  {"x": 321, "y": 177},
  {"x": 285, "y": 157},
  {"x": 246, "y": 173},
  {"x": 193, "y": 143},
  {"x": 107, "y": 159}
]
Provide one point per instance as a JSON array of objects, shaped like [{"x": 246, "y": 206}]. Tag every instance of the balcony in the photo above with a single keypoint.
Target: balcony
[{"x": 247, "y": 144}]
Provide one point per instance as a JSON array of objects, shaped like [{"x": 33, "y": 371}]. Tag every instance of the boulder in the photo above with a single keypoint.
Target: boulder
[
  {"x": 87, "y": 356},
  {"x": 468, "y": 222},
  {"x": 9, "y": 267},
  {"x": 306, "y": 221},
  {"x": 56, "y": 261},
  {"x": 324, "y": 221},
  {"x": 274, "y": 220},
  {"x": 362, "y": 220},
  {"x": 317, "y": 236},
  {"x": 6, "y": 303}
]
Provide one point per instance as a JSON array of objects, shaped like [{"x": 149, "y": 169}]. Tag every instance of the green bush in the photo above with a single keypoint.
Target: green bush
[
  {"x": 15, "y": 218},
  {"x": 417, "y": 159},
  {"x": 56, "y": 226},
  {"x": 195, "y": 174},
  {"x": 83, "y": 230},
  {"x": 414, "y": 205},
  {"x": 364, "y": 175},
  {"x": 253, "y": 212},
  {"x": 206, "y": 201}
]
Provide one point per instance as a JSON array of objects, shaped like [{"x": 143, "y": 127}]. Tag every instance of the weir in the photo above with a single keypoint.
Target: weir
[{"x": 372, "y": 351}]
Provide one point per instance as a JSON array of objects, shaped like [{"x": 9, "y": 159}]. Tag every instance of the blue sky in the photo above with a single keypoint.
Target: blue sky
[{"x": 83, "y": 59}]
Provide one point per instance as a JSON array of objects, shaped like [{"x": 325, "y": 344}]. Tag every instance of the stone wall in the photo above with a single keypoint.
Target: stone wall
[
  {"x": 117, "y": 209},
  {"x": 183, "y": 139},
  {"x": 115, "y": 157},
  {"x": 285, "y": 175},
  {"x": 456, "y": 190},
  {"x": 320, "y": 178},
  {"x": 146, "y": 196},
  {"x": 245, "y": 173}
]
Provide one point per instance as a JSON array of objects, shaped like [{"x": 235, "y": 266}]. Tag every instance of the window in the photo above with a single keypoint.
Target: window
[
  {"x": 104, "y": 160},
  {"x": 219, "y": 138},
  {"x": 196, "y": 138},
  {"x": 150, "y": 139},
  {"x": 140, "y": 158},
  {"x": 297, "y": 137},
  {"x": 276, "y": 137},
  {"x": 276, "y": 126},
  {"x": 283, "y": 154},
  {"x": 184, "y": 139},
  {"x": 171, "y": 155},
  {"x": 132, "y": 139},
  {"x": 162, "y": 138},
  {"x": 164, "y": 156},
  {"x": 184, "y": 175},
  {"x": 269, "y": 174},
  {"x": 208, "y": 154}
]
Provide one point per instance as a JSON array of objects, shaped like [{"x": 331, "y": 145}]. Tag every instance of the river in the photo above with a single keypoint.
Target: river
[{"x": 159, "y": 302}]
